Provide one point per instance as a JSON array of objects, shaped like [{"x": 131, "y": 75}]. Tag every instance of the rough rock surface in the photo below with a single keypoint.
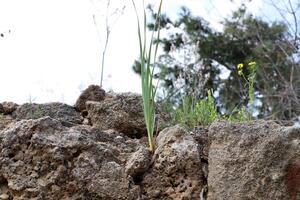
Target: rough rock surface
[
  {"x": 139, "y": 162},
  {"x": 256, "y": 160},
  {"x": 42, "y": 159},
  {"x": 176, "y": 171},
  {"x": 5, "y": 121},
  {"x": 8, "y": 107},
  {"x": 124, "y": 113},
  {"x": 60, "y": 111},
  {"x": 1, "y": 108},
  {"x": 92, "y": 93}
]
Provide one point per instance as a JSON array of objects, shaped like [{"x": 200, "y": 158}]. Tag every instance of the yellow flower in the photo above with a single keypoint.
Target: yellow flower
[
  {"x": 240, "y": 66},
  {"x": 240, "y": 72},
  {"x": 251, "y": 63}
]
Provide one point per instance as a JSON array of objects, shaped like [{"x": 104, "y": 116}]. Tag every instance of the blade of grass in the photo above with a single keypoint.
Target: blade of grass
[{"x": 148, "y": 90}]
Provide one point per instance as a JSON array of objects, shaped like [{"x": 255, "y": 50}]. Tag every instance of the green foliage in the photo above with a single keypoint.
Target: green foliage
[
  {"x": 241, "y": 115},
  {"x": 249, "y": 79},
  {"x": 207, "y": 53},
  {"x": 38, "y": 113},
  {"x": 146, "y": 59},
  {"x": 192, "y": 114},
  {"x": 1, "y": 116},
  {"x": 206, "y": 110}
]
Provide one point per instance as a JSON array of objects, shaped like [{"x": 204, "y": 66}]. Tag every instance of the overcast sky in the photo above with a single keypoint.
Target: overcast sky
[{"x": 53, "y": 50}]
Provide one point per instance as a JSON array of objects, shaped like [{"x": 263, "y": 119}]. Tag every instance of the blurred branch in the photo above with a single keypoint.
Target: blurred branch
[{"x": 117, "y": 13}]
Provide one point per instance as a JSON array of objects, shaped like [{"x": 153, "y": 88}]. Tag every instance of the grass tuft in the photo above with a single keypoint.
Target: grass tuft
[
  {"x": 147, "y": 59},
  {"x": 192, "y": 114}
]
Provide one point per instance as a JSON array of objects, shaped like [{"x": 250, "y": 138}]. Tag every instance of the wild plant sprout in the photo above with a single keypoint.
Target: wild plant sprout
[
  {"x": 250, "y": 83},
  {"x": 207, "y": 110},
  {"x": 192, "y": 114},
  {"x": 147, "y": 58}
]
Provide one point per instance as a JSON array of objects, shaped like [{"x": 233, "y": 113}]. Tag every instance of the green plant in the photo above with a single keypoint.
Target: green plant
[
  {"x": 146, "y": 59},
  {"x": 250, "y": 79},
  {"x": 206, "y": 110},
  {"x": 193, "y": 58},
  {"x": 38, "y": 113},
  {"x": 1, "y": 116},
  {"x": 185, "y": 115},
  {"x": 192, "y": 114},
  {"x": 239, "y": 115},
  {"x": 242, "y": 114}
]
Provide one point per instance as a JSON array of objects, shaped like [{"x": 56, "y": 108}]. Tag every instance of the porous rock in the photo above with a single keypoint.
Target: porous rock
[
  {"x": 5, "y": 121},
  {"x": 92, "y": 93},
  {"x": 124, "y": 113},
  {"x": 42, "y": 159},
  {"x": 60, "y": 111},
  {"x": 139, "y": 162},
  {"x": 255, "y": 160},
  {"x": 176, "y": 172},
  {"x": 8, "y": 107},
  {"x": 1, "y": 108}
]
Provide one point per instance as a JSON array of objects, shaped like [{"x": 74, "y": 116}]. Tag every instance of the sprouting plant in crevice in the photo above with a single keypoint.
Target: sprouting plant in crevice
[
  {"x": 193, "y": 113},
  {"x": 37, "y": 113},
  {"x": 147, "y": 59}
]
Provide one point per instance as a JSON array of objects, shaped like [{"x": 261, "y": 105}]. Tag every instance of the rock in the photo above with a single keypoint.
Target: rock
[
  {"x": 124, "y": 113},
  {"x": 92, "y": 93},
  {"x": 139, "y": 162},
  {"x": 8, "y": 107},
  {"x": 176, "y": 172},
  {"x": 5, "y": 121},
  {"x": 43, "y": 159},
  {"x": 4, "y": 196},
  {"x": 201, "y": 136},
  {"x": 255, "y": 160},
  {"x": 60, "y": 111},
  {"x": 1, "y": 108}
]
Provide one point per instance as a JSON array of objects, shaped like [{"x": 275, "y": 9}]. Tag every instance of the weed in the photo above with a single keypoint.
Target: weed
[
  {"x": 146, "y": 59},
  {"x": 239, "y": 115},
  {"x": 192, "y": 114},
  {"x": 38, "y": 113},
  {"x": 243, "y": 114},
  {"x": 206, "y": 110}
]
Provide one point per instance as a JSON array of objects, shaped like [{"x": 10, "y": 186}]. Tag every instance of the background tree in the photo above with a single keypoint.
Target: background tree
[{"x": 197, "y": 58}]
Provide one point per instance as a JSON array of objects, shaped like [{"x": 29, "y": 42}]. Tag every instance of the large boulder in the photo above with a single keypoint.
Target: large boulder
[
  {"x": 42, "y": 159},
  {"x": 60, "y": 111},
  {"x": 8, "y": 107},
  {"x": 255, "y": 160},
  {"x": 176, "y": 172},
  {"x": 124, "y": 113},
  {"x": 92, "y": 93}
]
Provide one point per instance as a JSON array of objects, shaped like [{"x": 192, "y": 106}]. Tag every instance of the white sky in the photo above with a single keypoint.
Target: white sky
[{"x": 53, "y": 50}]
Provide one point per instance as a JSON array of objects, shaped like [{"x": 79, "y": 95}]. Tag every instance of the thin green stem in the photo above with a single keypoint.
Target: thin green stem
[{"x": 148, "y": 90}]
